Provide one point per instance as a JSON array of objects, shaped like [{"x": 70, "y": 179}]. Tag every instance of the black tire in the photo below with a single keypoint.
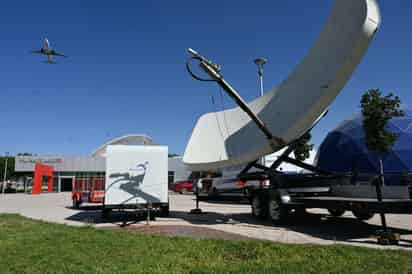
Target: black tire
[
  {"x": 362, "y": 216},
  {"x": 336, "y": 212},
  {"x": 76, "y": 204},
  {"x": 183, "y": 191},
  {"x": 259, "y": 206},
  {"x": 300, "y": 212},
  {"x": 152, "y": 216},
  {"x": 164, "y": 211},
  {"x": 106, "y": 212},
  {"x": 247, "y": 193},
  {"x": 213, "y": 193},
  {"x": 278, "y": 214}
]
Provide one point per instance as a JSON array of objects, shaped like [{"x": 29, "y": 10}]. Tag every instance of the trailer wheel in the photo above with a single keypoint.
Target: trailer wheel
[
  {"x": 164, "y": 211},
  {"x": 259, "y": 207},
  {"x": 336, "y": 212},
  {"x": 214, "y": 192},
  {"x": 362, "y": 216},
  {"x": 76, "y": 203},
  {"x": 277, "y": 212},
  {"x": 106, "y": 212},
  {"x": 152, "y": 215},
  {"x": 246, "y": 192}
]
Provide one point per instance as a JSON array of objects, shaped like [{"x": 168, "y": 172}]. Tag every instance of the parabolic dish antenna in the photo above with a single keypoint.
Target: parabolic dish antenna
[{"x": 230, "y": 137}]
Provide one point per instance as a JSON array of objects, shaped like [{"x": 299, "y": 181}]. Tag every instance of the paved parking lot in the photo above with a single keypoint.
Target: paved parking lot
[{"x": 231, "y": 217}]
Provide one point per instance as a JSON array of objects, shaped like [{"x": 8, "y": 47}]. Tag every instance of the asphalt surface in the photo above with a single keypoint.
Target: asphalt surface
[{"x": 231, "y": 217}]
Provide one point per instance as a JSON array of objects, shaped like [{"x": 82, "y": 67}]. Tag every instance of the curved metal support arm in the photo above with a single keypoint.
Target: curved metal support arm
[{"x": 213, "y": 70}]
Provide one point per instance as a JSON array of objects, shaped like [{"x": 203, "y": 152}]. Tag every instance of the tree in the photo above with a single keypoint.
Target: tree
[
  {"x": 24, "y": 154},
  {"x": 303, "y": 148},
  {"x": 171, "y": 155},
  {"x": 10, "y": 167},
  {"x": 377, "y": 110}
]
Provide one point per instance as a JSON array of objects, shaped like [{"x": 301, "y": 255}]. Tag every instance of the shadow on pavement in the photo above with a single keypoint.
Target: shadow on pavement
[
  {"x": 93, "y": 215},
  {"x": 320, "y": 226}
]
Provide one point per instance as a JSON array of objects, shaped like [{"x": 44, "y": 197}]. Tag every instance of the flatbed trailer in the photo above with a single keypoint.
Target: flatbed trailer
[
  {"x": 289, "y": 194},
  {"x": 394, "y": 206},
  {"x": 87, "y": 190}
]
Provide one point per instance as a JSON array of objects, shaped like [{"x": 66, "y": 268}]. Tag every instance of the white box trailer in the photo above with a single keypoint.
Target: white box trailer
[{"x": 136, "y": 177}]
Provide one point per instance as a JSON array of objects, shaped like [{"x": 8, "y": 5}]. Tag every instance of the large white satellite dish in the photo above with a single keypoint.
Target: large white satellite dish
[{"x": 227, "y": 138}]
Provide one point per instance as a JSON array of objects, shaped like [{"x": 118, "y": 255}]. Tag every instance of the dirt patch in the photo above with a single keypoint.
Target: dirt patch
[{"x": 185, "y": 231}]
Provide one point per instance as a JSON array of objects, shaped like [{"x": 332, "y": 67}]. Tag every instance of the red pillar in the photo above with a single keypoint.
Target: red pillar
[{"x": 41, "y": 171}]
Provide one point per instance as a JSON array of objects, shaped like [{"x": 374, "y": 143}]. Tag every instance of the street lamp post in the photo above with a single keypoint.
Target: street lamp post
[
  {"x": 5, "y": 172},
  {"x": 260, "y": 62}
]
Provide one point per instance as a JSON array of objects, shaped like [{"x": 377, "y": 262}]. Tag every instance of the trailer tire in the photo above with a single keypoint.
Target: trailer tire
[
  {"x": 214, "y": 192},
  {"x": 152, "y": 216},
  {"x": 106, "y": 213},
  {"x": 164, "y": 211},
  {"x": 76, "y": 203},
  {"x": 277, "y": 212},
  {"x": 362, "y": 216},
  {"x": 246, "y": 192},
  {"x": 259, "y": 206},
  {"x": 336, "y": 212}
]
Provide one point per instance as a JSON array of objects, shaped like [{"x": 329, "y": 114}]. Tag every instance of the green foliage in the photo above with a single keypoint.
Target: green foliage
[
  {"x": 171, "y": 155},
  {"x": 377, "y": 110},
  {"x": 10, "y": 167},
  {"x": 303, "y": 148},
  {"x": 29, "y": 246}
]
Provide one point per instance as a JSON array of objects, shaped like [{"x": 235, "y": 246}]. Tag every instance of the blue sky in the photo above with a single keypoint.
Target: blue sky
[{"x": 125, "y": 72}]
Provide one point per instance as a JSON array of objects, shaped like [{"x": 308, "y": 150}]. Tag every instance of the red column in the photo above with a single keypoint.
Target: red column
[{"x": 41, "y": 171}]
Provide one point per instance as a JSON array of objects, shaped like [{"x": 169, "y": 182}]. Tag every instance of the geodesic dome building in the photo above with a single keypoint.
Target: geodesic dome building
[{"x": 344, "y": 150}]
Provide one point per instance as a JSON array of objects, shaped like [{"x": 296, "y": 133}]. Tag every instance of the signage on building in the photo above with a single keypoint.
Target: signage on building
[
  {"x": 61, "y": 164},
  {"x": 41, "y": 161}
]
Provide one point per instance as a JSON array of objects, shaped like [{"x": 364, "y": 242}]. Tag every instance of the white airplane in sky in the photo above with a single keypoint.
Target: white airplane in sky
[{"x": 46, "y": 50}]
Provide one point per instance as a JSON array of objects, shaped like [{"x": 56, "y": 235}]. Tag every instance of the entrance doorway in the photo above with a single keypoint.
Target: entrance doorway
[{"x": 66, "y": 183}]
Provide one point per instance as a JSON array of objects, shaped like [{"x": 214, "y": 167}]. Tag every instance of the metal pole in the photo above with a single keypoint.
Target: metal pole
[
  {"x": 197, "y": 210},
  {"x": 379, "y": 185},
  {"x": 260, "y": 62},
  {"x": 260, "y": 72},
  {"x": 5, "y": 172}
]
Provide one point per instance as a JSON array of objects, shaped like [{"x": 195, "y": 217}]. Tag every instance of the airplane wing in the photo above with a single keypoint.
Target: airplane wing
[
  {"x": 36, "y": 51},
  {"x": 228, "y": 138},
  {"x": 57, "y": 54}
]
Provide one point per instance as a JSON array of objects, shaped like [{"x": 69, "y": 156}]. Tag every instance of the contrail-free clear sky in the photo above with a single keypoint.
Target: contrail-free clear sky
[{"x": 125, "y": 72}]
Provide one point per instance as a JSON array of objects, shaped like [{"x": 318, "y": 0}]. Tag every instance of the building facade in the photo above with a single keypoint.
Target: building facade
[{"x": 67, "y": 168}]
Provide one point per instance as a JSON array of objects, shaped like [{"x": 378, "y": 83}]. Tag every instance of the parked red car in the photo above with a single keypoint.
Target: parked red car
[{"x": 183, "y": 186}]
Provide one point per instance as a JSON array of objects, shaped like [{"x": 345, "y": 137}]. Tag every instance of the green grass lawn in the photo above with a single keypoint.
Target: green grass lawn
[{"x": 28, "y": 246}]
